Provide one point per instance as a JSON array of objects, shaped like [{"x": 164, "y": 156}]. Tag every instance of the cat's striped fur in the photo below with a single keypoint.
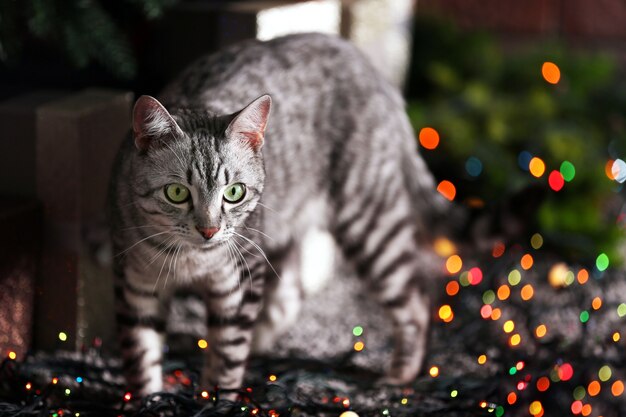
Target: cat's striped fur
[{"x": 338, "y": 156}]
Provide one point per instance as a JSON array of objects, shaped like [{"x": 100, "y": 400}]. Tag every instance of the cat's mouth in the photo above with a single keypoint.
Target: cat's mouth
[{"x": 209, "y": 244}]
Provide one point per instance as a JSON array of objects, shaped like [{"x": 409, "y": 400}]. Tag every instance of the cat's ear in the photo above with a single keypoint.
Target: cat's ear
[
  {"x": 151, "y": 121},
  {"x": 249, "y": 124}
]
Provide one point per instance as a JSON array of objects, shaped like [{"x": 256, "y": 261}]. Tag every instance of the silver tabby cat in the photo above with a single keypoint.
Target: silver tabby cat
[{"x": 221, "y": 178}]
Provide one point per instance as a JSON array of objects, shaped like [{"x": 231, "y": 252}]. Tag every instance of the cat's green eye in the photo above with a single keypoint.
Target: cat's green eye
[
  {"x": 176, "y": 193},
  {"x": 234, "y": 193}
]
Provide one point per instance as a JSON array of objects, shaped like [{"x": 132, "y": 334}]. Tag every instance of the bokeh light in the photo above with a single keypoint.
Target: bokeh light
[
  {"x": 596, "y": 303},
  {"x": 618, "y": 170},
  {"x": 473, "y": 166},
  {"x": 508, "y": 326},
  {"x": 485, "y": 311},
  {"x": 444, "y": 247},
  {"x": 605, "y": 373},
  {"x": 445, "y": 313},
  {"x": 489, "y": 297},
  {"x": 498, "y": 250},
  {"x": 543, "y": 384},
  {"x": 527, "y": 261},
  {"x": 593, "y": 388},
  {"x": 550, "y": 72},
  {"x": 617, "y": 388},
  {"x": 535, "y": 408},
  {"x": 503, "y": 292},
  {"x": 527, "y": 292},
  {"x": 568, "y": 171},
  {"x": 475, "y": 276},
  {"x": 584, "y": 316},
  {"x": 447, "y": 189},
  {"x": 452, "y": 288},
  {"x": 454, "y": 264},
  {"x": 541, "y": 330},
  {"x": 608, "y": 169},
  {"x": 514, "y": 277},
  {"x": 565, "y": 372},
  {"x": 536, "y": 241},
  {"x": 511, "y": 398},
  {"x": 515, "y": 340},
  {"x": 429, "y": 138},
  {"x": 556, "y": 181},
  {"x": 557, "y": 276},
  {"x": 602, "y": 262},
  {"x": 523, "y": 160},
  {"x": 537, "y": 167}
]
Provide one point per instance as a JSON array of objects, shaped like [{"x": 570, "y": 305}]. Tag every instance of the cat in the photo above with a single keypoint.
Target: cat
[{"x": 250, "y": 150}]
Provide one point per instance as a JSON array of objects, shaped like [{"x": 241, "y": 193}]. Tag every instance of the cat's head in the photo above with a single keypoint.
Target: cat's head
[{"x": 200, "y": 175}]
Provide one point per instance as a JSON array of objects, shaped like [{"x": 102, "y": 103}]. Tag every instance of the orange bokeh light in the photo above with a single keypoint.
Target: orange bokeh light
[
  {"x": 596, "y": 303},
  {"x": 503, "y": 292},
  {"x": 527, "y": 292},
  {"x": 537, "y": 167},
  {"x": 617, "y": 388},
  {"x": 593, "y": 388},
  {"x": 429, "y": 138},
  {"x": 454, "y": 264},
  {"x": 452, "y": 288},
  {"x": 582, "y": 276},
  {"x": 543, "y": 384},
  {"x": 527, "y": 261},
  {"x": 541, "y": 330},
  {"x": 551, "y": 72},
  {"x": 447, "y": 189},
  {"x": 608, "y": 169}
]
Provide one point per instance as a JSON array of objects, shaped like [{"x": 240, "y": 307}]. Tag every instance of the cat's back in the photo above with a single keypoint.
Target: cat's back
[{"x": 289, "y": 68}]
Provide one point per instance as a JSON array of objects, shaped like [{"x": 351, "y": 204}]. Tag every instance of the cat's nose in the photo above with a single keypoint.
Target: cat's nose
[{"x": 207, "y": 232}]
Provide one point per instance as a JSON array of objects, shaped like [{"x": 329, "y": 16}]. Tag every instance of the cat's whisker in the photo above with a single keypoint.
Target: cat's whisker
[
  {"x": 169, "y": 268},
  {"x": 244, "y": 260},
  {"x": 268, "y": 207},
  {"x": 256, "y": 230},
  {"x": 246, "y": 263},
  {"x": 256, "y": 255},
  {"x": 166, "y": 245},
  {"x": 180, "y": 245},
  {"x": 170, "y": 247},
  {"x": 142, "y": 240},
  {"x": 257, "y": 247}
]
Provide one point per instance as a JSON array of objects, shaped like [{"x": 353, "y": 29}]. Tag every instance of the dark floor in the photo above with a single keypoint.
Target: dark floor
[{"x": 577, "y": 367}]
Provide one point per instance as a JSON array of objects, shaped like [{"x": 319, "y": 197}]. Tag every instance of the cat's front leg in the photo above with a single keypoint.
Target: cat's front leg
[
  {"x": 232, "y": 312},
  {"x": 140, "y": 324}
]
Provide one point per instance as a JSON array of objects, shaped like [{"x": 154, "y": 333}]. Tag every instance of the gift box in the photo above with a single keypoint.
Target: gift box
[{"x": 76, "y": 142}]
